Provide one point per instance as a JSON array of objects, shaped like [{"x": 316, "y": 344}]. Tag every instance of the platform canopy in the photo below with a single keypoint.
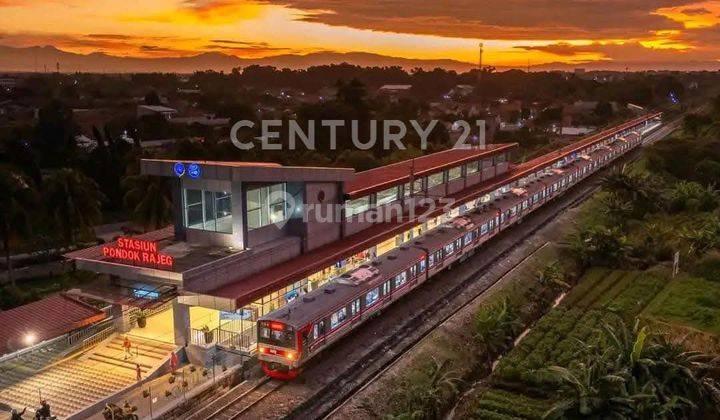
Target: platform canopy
[{"x": 44, "y": 319}]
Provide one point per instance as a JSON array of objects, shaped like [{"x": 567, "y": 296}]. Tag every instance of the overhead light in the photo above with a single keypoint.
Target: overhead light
[{"x": 29, "y": 339}]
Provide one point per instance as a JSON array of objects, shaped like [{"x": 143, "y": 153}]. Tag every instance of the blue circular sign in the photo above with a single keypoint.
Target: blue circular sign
[
  {"x": 179, "y": 169},
  {"x": 194, "y": 171}
]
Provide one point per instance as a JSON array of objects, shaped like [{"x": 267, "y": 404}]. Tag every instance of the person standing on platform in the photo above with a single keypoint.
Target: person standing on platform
[
  {"x": 173, "y": 362},
  {"x": 138, "y": 371},
  {"x": 127, "y": 345}
]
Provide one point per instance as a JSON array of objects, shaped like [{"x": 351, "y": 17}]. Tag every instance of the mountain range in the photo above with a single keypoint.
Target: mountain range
[
  {"x": 49, "y": 58},
  {"x": 46, "y": 58}
]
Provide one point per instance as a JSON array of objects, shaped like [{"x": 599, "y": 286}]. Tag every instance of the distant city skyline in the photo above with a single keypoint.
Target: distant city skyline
[{"x": 514, "y": 32}]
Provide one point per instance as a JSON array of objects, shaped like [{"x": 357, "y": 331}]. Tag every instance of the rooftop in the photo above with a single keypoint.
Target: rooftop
[
  {"x": 377, "y": 179},
  {"x": 38, "y": 321}
]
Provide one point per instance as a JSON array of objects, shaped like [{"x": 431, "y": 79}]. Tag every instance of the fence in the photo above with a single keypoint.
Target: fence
[{"x": 243, "y": 341}]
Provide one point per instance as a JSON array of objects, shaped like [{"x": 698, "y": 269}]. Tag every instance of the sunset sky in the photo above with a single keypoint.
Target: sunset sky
[{"x": 513, "y": 31}]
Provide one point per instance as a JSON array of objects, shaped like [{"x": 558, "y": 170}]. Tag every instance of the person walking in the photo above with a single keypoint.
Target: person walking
[
  {"x": 138, "y": 371},
  {"x": 127, "y": 345}
]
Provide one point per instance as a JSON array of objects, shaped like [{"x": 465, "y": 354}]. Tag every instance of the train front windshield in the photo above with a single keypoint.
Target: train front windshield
[{"x": 276, "y": 334}]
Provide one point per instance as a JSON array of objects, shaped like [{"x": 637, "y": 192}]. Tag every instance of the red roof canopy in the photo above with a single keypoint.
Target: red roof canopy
[
  {"x": 43, "y": 320},
  {"x": 378, "y": 179}
]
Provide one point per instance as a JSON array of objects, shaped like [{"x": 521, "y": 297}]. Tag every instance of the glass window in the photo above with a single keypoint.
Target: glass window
[
  {"x": 355, "y": 307},
  {"x": 500, "y": 158},
  {"x": 193, "y": 209},
  {"x": 372, "y": 296},
  {"x": 208, "y": 210},
  {"x": 449, "y": 248},
  {"x": 454, "y": 173},
  {"x": 318, "y": 329},
  {"x": 435, "y": 179},
  {"x": 419, "y": 185},
  {"x": 284, "y": 337},
  {"x": 471, "y": 167},
  {"x": 338, "y": 318},
  {"x": 487, "y": 163},
  {"x": 266, "y": 205},
  {"x": 223, "y": 212},
  {"x": 421, "y": 266},
  {"x": 357, "y": 206},
  {"x": 400, "y": 279},
  {"x": 407, "y": 190},
  {"x": 387, "y": 196},
  {"x": 386, "y": 288}
]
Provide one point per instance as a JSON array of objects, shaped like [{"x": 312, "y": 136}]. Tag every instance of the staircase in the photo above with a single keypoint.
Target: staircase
[{"x": 74, "y": 384}]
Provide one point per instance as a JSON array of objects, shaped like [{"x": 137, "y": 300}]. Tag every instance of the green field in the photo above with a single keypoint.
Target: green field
[
  {"x": 690, "y": 302},
  {"x": 603, "y": 296}
]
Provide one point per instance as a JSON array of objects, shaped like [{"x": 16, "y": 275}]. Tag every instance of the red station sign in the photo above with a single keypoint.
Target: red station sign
[{"x": 137, "y": 251}]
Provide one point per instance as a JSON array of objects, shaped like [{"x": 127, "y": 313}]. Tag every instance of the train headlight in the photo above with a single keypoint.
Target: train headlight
[{"x": 291, "y": 355}]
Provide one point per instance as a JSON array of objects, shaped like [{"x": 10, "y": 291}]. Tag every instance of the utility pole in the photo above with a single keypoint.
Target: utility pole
[{"x": 480, "y": 62}]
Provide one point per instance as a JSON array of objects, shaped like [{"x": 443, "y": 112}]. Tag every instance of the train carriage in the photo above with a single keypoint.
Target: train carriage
[{"x": 292, "y": 335}]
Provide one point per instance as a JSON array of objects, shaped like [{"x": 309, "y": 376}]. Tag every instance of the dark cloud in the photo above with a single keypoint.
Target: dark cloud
[
  {"x": 247, "y": 49},
  {"x": 694, "y": 11},
  {"x": 232, "y": 42},
  {"x": 628, "y": 52},
  {"x": 561, "y": 49},
  {"x": 492, "y": 19},
  {"x": 110, "y": 36}
]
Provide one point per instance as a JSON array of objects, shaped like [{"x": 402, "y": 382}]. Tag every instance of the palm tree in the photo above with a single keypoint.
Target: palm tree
[
  {"x": 149, "y": 200},
  {"x": 553, "y": 275},
  {"x": 426, "y": 396},
  {"x": 441, "y": 382},
  {"x": 73, "y": 201},
  {"x": 16, "y": 201},
  {"x": 495, "y": 328},
  {"x": 638, "y": 375},
  {"x": 596, "y": 392}
]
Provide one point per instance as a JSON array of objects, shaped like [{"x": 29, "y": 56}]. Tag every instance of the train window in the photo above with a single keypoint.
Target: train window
[
  {"x": 449, "y": 248},
  {"x": 458, "y": 243},
  {"x": 281, "y": 337},
  {"x": 413, "y": 270},
  {"x": 432, "y": 260},
  {"x": 483, "y": 228},
  {"x": 438, "y": 255},
  {"x": 338, "y": 318},
  {"x": 386, "y": 288},
  {"x": 355, "y": 307},
  {"x": 400, "y": 279},
  {"x": 421, "y": 266},
  {"x": 318, "y": 329},
  {"x": 468, "y": 238},
  {"x": 372, "y": 296}
]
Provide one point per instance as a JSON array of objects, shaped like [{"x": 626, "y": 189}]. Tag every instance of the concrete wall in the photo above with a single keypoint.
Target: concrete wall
[
  {"x": 226, "y": 271},
  {"x": 455, "y": 185},
  {"x": 322, "y": 216}
]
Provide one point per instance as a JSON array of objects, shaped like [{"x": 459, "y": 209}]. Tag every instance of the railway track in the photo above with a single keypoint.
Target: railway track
[
  {"x": 332, "y": 397},
  {"x": 245, "y": 400},
  {"x": 352, "y": 384}
]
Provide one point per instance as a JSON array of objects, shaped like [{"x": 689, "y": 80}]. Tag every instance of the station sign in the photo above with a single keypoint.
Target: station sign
[{"x": 137, "y": 251}]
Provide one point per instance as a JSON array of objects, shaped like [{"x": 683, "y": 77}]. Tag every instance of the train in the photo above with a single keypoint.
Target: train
[{"x": 291, "y": 336}]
